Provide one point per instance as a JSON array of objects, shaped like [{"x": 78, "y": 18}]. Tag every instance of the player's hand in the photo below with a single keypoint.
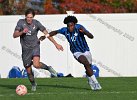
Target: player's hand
[
  {"x": 25, "y": 30},
  {"x": 42, "y": 38},
  {"x": 59, "y": 47}
]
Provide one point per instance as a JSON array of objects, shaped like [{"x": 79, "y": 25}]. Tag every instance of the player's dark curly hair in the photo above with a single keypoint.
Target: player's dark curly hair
[{"x": 69, "y": 19}]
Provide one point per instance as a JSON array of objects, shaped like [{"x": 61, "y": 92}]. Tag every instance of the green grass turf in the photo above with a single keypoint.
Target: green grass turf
[{"x": 124, "y": 88}]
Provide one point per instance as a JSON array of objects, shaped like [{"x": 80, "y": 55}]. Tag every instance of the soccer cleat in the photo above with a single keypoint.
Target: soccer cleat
[
  {"x": 92, "y": 85},
  {"x": 34, "y": 87},
  {"x": 95, "y": 86},
  {"x": 98, "y": 87}
]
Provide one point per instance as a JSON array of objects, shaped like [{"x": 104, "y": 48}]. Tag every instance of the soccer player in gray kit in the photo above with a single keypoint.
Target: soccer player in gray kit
[{"x": 27, "y": 29}]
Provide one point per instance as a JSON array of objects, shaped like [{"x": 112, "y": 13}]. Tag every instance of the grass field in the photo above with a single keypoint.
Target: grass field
[{"x": 124, "y": 88}]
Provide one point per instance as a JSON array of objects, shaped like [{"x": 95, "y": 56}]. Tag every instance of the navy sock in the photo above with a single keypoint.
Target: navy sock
[{"x": 50, "y": 69}]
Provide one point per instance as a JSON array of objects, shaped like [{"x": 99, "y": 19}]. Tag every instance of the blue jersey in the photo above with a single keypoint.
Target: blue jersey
[{"x": 76, "y": 39}]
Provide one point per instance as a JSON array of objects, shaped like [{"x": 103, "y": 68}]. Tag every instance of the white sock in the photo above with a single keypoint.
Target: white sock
[{"x": 93, "y": 79}]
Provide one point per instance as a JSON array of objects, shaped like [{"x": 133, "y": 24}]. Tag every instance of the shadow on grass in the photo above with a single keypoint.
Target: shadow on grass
[
  {"x": 2, "y": 86},
  {"x": 66, "y": 87}
]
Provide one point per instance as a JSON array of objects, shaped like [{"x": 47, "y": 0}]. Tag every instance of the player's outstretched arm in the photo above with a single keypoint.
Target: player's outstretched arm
[
  {"x": 58, "y": 46},
  {"x": 52, "y": 33}
]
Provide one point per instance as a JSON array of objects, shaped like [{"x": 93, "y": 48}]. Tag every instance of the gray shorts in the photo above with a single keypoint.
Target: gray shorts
[
  {"x": 28, "y": 54},
  {"x": 87, "y": 54}
]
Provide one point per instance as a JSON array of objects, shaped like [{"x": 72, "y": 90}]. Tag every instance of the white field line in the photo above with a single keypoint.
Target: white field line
[{"x": 63, "y": 93}]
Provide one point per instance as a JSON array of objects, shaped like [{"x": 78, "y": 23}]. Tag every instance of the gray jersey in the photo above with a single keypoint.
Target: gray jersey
[{"x": 30, "y": 39}]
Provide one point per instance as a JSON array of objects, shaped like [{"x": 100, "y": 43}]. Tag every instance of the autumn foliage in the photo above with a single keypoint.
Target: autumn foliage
[
  {"x": 15, "y": 7},
  {"x": 90, "y": 6}
]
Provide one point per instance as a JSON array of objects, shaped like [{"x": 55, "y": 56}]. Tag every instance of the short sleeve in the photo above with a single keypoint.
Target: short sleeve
[
  {"x": 18, "y": 26},
  {"x": 40, "y": 26},
  {"x": 61, "y": 31},
  {"x": 81, "y": 26}
]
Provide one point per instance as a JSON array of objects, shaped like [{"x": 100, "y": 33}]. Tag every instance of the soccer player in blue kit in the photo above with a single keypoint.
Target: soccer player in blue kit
[
  {"x": 78, "y": 46},
  {"x": 27, "y": 29}
]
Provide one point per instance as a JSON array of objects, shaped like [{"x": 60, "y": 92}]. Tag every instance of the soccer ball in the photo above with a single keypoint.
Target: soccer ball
[{"x": 21, "y": 90}]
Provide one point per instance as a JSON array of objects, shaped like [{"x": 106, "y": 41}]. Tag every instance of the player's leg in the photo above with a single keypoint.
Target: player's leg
[
  {"x": 38, "y": 64},
  {"x": 49, "y": 68},
  {"x": 91, "y": 77},
  {"x": 31, "y": 78},
  {"x": 82, "y": 59},
  {"x": 86, "y": 60},
  {"x": 27, "y": 61}
]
